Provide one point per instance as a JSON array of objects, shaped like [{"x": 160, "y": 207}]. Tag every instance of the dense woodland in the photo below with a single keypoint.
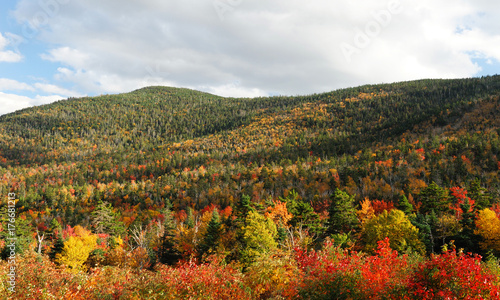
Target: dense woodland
[{"x": 384, "y": 191}]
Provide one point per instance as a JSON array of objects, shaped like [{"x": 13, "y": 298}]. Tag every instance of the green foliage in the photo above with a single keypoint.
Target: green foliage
[
  {"x": 211, "y": 238},
  {"x": 434, "y": 198},
  {"x": 479, "y": 194},
  {"x": 18, "y": 238},
  {"x": 259, "y": 235},
  {"x": 167, "y": 252},
  {"x": 342, "y": 213},
  {"x": 57, "y": 247},
  {"x": 427, "y": 225},
  {"x": 302, "y": 213},
  {"x": 105, "y": 220},
  {"x": 404, "y": 205}
]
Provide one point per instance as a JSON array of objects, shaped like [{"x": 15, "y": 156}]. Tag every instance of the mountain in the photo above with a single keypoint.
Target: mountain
[{"x": 163, "y": 136}]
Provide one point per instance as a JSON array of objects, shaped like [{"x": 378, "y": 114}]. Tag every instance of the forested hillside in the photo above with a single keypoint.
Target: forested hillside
[{"x": 268, "y": 197}]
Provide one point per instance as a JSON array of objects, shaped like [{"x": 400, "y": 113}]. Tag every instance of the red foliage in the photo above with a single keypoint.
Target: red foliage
[
  {"x": 210, "y": 208},
  {"x": 334, "y": 274},
  {"x": 460, "y": 195},
  {"x": 453, "y": 276},
  {"x": 380, "y": 205}
]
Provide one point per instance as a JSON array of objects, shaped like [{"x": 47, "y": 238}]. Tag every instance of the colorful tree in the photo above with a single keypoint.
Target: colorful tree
[
  {"x": 259, "y": 235},
  {"x": 488, "y": 227},
  {"x": 394, "y": 225},
  {"x": 77, "y": 249}
]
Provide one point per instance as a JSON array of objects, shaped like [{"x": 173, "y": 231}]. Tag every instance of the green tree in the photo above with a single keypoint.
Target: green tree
[
  {"x": 210, "y": 240},
  {"x": 427, "y": 225},
  {"x": 16, "y": 238},
  {"x": 243, "y": 208},
  {"x": 342, "y": 213},
  {"x": 105, "y": 220},
  {"x": 259, "y": 235},
  {"x": 57, "y": 247},
  {"x": 404, "y": 205},
  {"x": 434, "y": 198},
  {"x": 466, "y": 238},
  {"x": 302, "y": 213},
  {"x": 479, "y": 194},
  {"x": 167, "y": 252}
]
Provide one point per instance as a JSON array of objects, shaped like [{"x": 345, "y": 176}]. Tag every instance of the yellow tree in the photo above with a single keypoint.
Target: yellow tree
[
  {"x": 366, "y": 212},
  {"x": 77, "y": 249},
  {"x": 488, "y": 227},
  {"x": 395, "y": 225}
]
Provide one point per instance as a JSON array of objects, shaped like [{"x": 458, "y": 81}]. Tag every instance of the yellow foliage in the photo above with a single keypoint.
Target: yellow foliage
[
  {"x": 488, "y": 227},
  {"x": 366, "y": 212},
  {"x": 77, "y": 249}
]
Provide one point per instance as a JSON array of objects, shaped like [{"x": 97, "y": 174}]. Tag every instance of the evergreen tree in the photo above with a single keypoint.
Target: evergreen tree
[
  {"x": 479, "y": 195},
  {"x": 57, "y": 247},
  {"x": 16, "y": 238},
  {"x": 426, "y": 224},
  {"x": 167, "y": 253},
  {"x": 302, "y": 213},
  {"x": 211, "y": 238},
  {"x": 342, "y": 212},
  {"x": 243, "y": 208},
  {"x": 434, "y": 198},
  {"x": 404, "y": 205},
  {"x": 105, "y": 220},
  {"x": 466, "y": 238}
]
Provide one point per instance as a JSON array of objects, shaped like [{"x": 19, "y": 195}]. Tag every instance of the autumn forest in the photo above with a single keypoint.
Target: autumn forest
[{"x": 387, "y": 191}]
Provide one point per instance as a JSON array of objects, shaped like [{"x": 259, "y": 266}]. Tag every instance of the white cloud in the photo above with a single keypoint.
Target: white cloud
[
  {"x": 7, "y": 84},
  {"x": 53, "y": 89},
  {"x": 12, "y": 102},
  {"x": 8, "y": 55},
  {"x": 45, "y": 93},
  {"x": 281, "y": 46}
]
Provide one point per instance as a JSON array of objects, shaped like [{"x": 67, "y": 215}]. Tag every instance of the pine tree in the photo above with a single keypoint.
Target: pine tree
[
  {"x": 105, "y": 220},
  {"x": 342, "y": 212},
  {"x": 17, "y": 239},
  {"x": 404, "y": 205},
  {"x": 479, "y": 194},
  {"x": 466, "y": 238},
  {"x": 211, "y": 238},
  {"x": 167, "y": 253},
  {"x": 434, "y": 198},
  {"x": 57, "y": 247},
  {"x": 243, "y": 208}
]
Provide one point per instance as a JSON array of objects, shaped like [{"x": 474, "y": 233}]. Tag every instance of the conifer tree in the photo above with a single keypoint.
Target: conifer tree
[
  {"x": 211, "y": 238},
  {"x": 57, "y": 247},
  {"x": 342, "y": 213},
  {"x": 105, "y": 220},
  {"x": 404, "y": 205},
  {"x": 434, "y": 198},
  {"x": 167, "y": 253}
]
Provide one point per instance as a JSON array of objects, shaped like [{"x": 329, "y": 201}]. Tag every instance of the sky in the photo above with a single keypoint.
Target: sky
[{"x": 55, "y": 49}]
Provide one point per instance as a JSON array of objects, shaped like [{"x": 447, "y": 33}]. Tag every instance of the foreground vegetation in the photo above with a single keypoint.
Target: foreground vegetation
[{"x": 380, "y": 192}]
